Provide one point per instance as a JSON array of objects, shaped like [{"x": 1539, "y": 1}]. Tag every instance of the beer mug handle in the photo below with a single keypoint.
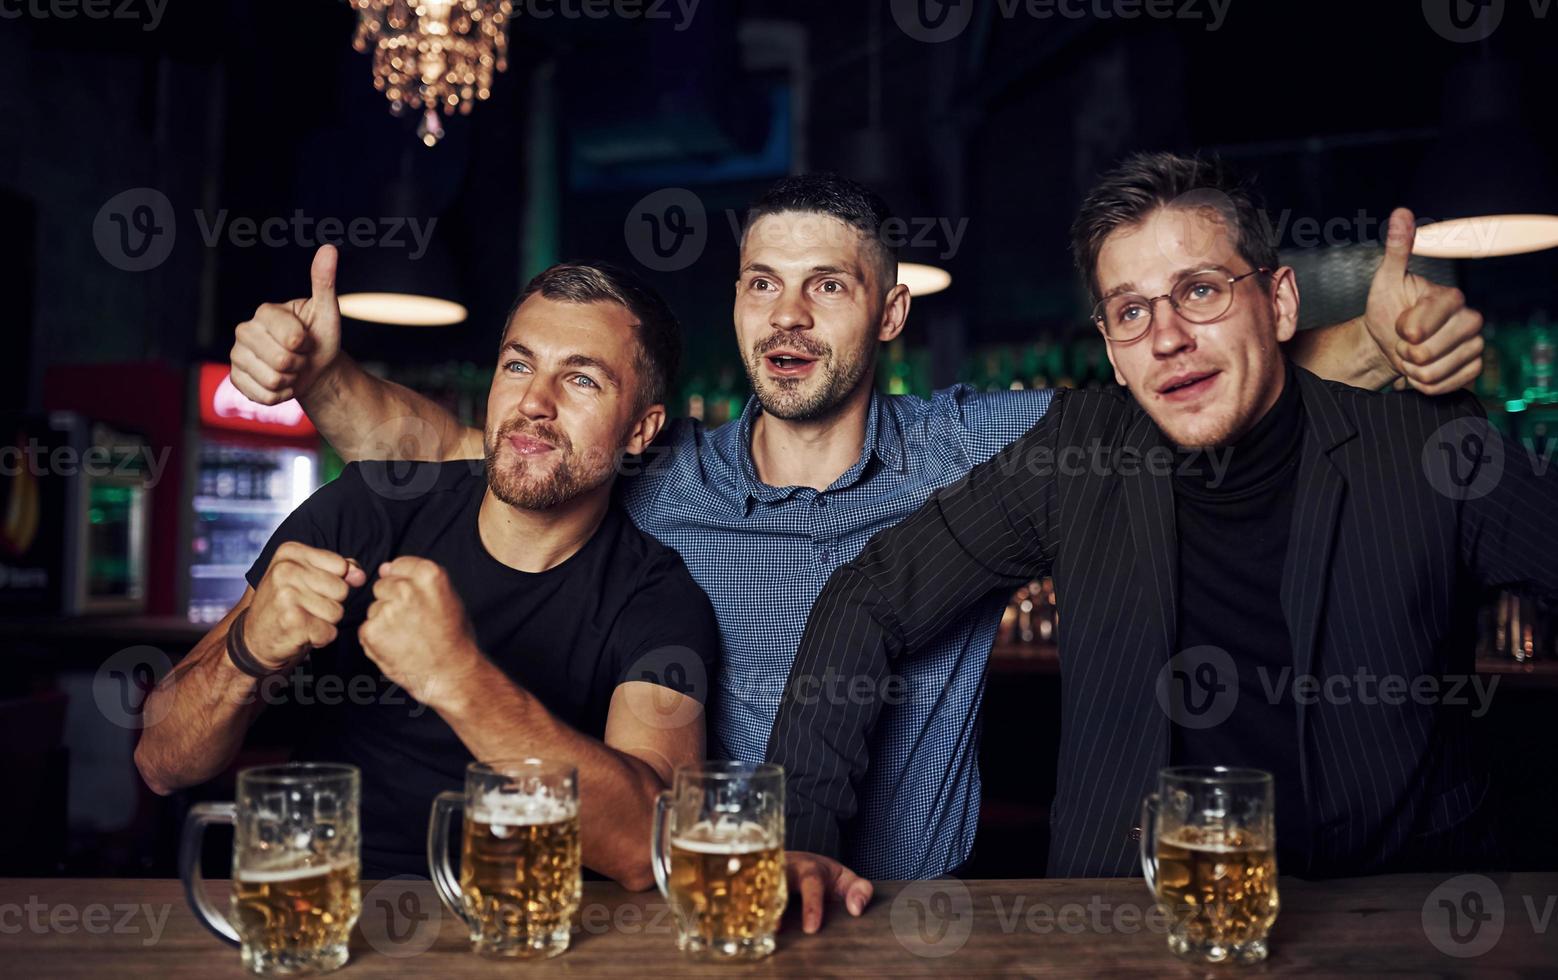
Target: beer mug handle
[
  {"x": 1149, "y": 834},
  {"x": 202, "y": 815},
  {"x": 659, "y": 849},
  {"x": 445, "y": 805}
]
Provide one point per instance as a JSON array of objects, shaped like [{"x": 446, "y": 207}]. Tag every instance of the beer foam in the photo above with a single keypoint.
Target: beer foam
[
  {"x": 721, "y": 846},
  {"x": 270, "y": 876},
  {"x": 502, "y": 808},
  {"x": 1214, "y": 846},
  {"x": 727, "y": 837}
]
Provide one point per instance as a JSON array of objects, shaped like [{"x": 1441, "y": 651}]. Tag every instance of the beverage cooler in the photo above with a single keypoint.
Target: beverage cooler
[{"x": 249, "y": 466}]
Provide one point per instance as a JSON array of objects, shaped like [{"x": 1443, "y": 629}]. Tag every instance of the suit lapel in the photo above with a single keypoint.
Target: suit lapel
[
  {"x": 1149, "y": 501},
  {"x": 1319, "y": 491}
]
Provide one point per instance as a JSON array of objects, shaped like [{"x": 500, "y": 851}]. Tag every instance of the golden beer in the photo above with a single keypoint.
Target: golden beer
[
  {"x": 296, "y": 915},
  {"x": 519, "y": 882},
  {"x": 730, "y": 893},
  {"x": 1219, "y": 885}
]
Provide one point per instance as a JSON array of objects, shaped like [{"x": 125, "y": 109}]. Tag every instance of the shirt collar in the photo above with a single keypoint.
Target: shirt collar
[{"x": 884, "y": 440}]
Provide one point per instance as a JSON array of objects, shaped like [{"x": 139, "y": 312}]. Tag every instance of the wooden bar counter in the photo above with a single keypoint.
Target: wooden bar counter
[{"x": 1441, "y": 925}]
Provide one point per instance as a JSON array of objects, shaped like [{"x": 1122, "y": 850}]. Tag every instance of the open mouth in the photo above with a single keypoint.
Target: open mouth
[
  {"x": 789, "y": 364},
  {"x": 1187, "y": 386}
]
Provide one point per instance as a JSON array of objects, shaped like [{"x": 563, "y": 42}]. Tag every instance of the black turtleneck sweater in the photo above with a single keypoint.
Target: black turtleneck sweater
[{"x": 1233, "y": 541}]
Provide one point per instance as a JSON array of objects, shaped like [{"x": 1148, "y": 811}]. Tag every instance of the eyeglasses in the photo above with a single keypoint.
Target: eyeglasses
[{"x": 1199, "y": 298}]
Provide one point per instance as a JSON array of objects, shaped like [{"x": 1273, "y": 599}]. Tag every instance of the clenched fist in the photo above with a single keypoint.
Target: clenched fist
[
  {"x": 282, "y": 351},
  {"x": 416, "y": 630},
  {"x": 299, "y": 603}
]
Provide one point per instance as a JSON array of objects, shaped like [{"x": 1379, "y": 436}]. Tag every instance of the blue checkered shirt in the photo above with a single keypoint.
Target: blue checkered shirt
[{"x": 763, "y": 554}]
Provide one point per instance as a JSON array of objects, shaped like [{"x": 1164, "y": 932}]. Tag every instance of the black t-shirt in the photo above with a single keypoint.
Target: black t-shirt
[{"x": 622, "y": 608}]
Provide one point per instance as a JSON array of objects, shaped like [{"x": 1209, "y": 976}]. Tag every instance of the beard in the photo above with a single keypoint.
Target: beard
[
  {"x": 831, "y": 383},
  {"x": 522, "y": 482}
]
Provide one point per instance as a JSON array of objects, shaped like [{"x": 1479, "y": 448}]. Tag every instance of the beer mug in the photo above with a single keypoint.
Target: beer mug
[
  {"x": 295, "y": 896},
  {"x": 520, "y": 879},
  {"x": 1208, "y": 850},
  {"x": 718, "y": 854}
]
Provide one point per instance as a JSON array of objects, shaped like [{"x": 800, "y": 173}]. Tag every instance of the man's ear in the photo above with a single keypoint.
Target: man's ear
[
  {"x": 895, "y": 312},
  {"x": 645, "y": 429},
  {"x": 1284, "y": 300}
]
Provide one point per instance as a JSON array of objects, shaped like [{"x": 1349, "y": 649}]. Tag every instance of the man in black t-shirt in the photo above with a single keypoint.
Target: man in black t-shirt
[{"x": 477, "y": 610}]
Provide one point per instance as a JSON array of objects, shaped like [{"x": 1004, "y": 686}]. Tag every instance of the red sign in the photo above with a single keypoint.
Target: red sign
[{"x": 223, "y": 406}]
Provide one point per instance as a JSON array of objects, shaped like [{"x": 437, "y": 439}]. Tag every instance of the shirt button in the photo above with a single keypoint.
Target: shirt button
[
  {"x": 1135, "y": 833},
  {"x": 821, "y": 500}
]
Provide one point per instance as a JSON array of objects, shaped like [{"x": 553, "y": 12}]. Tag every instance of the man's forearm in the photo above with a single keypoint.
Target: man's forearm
[
  {"x": 364, "y": 417},
  {"x": 1344, "y": 352},
  {"x": 497, "y": 719},
  {"x": 196, "y": 717}
]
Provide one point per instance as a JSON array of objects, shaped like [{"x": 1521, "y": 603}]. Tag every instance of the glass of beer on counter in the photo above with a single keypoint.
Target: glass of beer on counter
[
  {"x": 520, "y": 880},
  {"x": 718, "y": 854},
  {"x": 1208, "y": 850},
  {"x": 295, "y": 895}
]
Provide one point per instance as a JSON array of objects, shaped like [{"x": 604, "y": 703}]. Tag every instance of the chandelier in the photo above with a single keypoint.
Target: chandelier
[{"x": 434, "y": 55}]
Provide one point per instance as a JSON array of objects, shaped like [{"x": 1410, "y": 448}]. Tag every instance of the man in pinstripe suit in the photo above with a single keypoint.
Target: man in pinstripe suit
[{"x": 1247, "y": 557}]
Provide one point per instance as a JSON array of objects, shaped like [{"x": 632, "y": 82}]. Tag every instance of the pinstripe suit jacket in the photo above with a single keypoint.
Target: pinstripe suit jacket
[{"x": 1394, "y": 531}]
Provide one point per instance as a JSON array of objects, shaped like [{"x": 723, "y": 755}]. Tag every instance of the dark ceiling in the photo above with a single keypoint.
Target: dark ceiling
[{"x": 243, "y": 108}]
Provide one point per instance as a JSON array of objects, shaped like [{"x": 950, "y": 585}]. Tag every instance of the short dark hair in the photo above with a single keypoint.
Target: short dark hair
[
  {"x": 659, "y": 334},
  {"x": 1145, "y": 182},
  {"x": 839, "y": 197}
]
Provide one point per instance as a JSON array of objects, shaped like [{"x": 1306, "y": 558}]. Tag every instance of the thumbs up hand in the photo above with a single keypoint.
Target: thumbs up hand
[
  {"x": 285, "y": 347},
  {"x": 1431, "y": 338}
]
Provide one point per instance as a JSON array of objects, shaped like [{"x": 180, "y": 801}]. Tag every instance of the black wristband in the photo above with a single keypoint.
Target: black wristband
[{"x": 238, "y": 651}]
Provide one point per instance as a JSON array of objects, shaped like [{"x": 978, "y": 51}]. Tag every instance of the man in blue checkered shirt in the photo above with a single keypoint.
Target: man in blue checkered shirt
[{"x": 763, "y": 509}]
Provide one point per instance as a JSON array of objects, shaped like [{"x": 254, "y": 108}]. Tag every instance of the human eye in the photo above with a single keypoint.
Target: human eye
[{"x": 585, "y": 381}]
